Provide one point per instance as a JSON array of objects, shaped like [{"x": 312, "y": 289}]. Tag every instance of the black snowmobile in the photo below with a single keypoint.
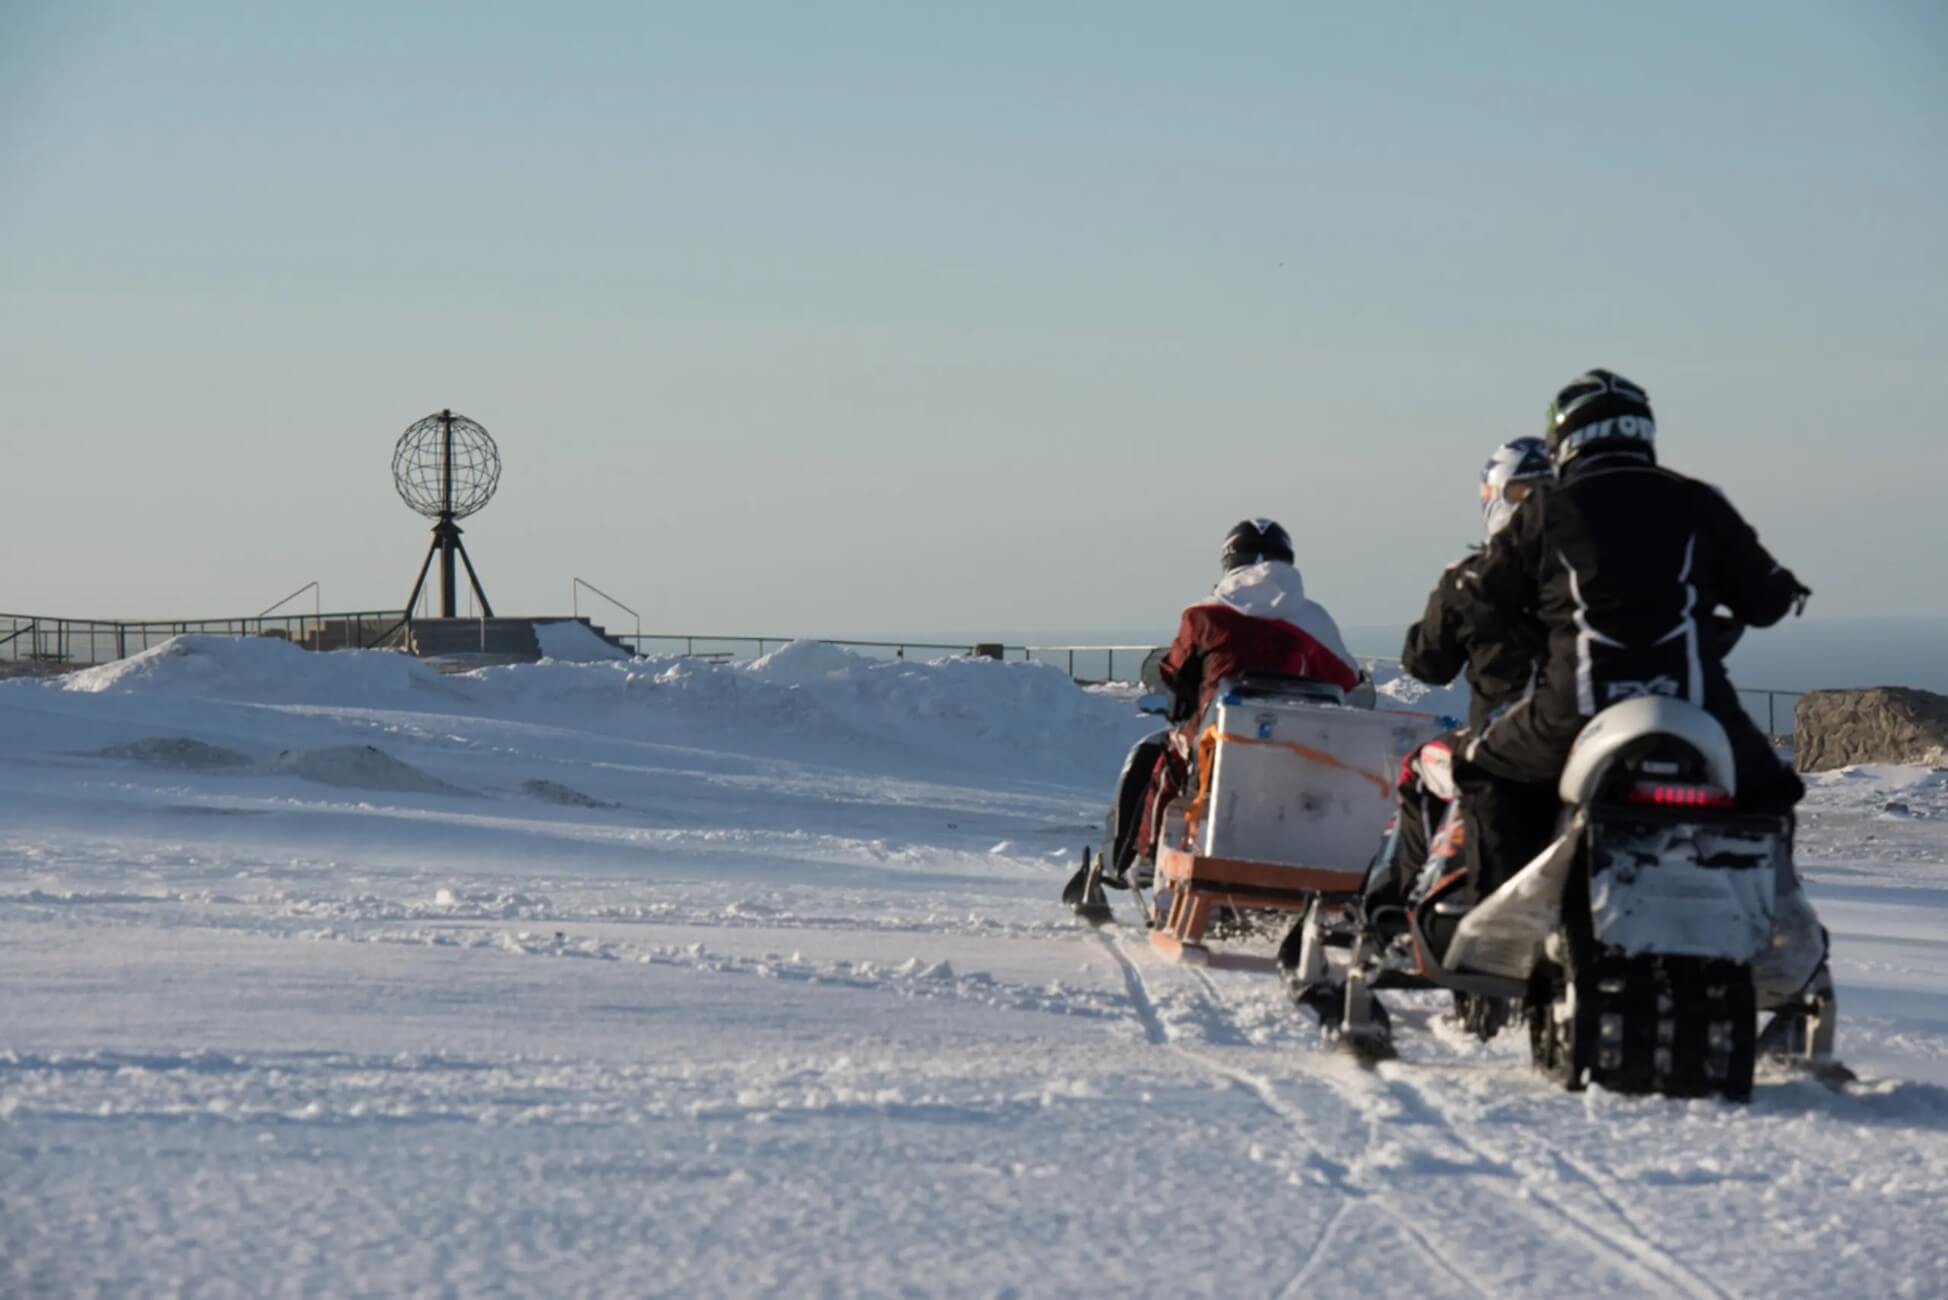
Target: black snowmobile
[{"x": 1640, "y": 947}]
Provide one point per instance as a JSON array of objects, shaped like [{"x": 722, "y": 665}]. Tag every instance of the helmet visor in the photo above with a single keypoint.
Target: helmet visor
[{"x": 1515, "y": 491}]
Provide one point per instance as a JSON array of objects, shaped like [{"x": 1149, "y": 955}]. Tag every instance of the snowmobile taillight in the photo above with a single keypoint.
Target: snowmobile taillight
[{"x": 1679, "y": 796}]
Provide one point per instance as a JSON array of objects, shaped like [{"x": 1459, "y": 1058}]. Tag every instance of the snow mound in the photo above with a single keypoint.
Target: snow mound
[
  {"x": 572, "y": 641},
  {"x": 261, "y": 669},
  {"x": 814, "y": 702},
  {"x": 361, "y": 767},
  {"x": 805, "y": 663},
  {"x": 1024, "y": 719},
  {"x": 183, "y": 752}
]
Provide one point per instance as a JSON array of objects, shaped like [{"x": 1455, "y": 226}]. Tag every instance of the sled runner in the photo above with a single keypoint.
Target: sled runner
[{"x": 1190, "y": 887}]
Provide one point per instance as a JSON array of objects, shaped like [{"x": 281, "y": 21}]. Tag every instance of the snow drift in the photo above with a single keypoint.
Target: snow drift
[
  {"x": 571, "y": 640},
  {"x": 808, "y": 700},
  {"x": 264, "y": 669}
]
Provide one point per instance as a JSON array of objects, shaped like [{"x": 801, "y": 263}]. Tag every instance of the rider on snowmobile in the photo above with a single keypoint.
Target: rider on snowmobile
[
  {"x": 1619, "y": 563},
  {"x": 1498, "y": 659},
  {"x": 1623, "y": 564},
  {"x": 1258, "y": 620}
]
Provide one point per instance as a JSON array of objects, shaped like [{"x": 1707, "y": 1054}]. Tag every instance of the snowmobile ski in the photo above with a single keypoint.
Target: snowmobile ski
[
  {"x": 1829, "y": 1073},
  {"x": 1368, "y": 1040},
  {"x": 1482, "y": 1016},
  {"x": 1084, "y": 892}
]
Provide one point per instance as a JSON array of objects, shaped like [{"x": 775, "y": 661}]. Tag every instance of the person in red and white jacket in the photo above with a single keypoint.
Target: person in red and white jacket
[{"x": 1258, "y": 620}]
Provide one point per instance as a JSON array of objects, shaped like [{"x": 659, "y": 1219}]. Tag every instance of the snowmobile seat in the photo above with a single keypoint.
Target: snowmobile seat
[{"x": 1282, "y": 685}]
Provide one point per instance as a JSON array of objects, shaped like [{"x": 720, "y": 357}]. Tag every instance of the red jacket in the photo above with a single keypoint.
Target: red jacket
[{"x": 1257, "y": 621}]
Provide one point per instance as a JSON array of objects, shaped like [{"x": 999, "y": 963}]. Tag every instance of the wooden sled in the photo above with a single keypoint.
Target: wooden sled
[{"x": 1198, "y": 884}]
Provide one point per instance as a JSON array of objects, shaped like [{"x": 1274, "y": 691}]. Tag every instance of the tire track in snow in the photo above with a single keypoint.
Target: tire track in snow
[
  {"x": 1139, "y": 994},
  {"x": 1296, "y": 1287},
  {"x": 1343, "y": 1176},
  {"x": 1631, "y": 1249},
  {"x": 1669, "y": 1271},
  {"x": 1706, "y": 1285},
  {"x": 1340, "y": 1175}
]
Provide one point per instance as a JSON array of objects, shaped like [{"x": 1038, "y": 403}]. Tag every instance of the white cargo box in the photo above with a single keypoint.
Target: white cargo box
[{"x": 1306, "y": 784}]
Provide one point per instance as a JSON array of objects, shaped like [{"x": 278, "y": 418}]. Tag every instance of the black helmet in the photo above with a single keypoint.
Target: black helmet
[
  {"x": 1254, "y": 541},
  {"x": 1599, "y": 409}
]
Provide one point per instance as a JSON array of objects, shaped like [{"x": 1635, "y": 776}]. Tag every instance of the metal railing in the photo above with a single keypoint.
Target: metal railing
[
  {"x": 80, "y": 642},
  {"x": 1133, "y": 657},
  {"x": 317, "y": 599},
  {"x": 750, "y": 647},
  {"x": 1085, "y": 663},
  {"x": 1764, "y": 707},
  {"x": 575, "y": 602}
]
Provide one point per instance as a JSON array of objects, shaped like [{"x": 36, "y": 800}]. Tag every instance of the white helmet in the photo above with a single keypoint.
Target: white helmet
[{"x": 1515, "y": 470}]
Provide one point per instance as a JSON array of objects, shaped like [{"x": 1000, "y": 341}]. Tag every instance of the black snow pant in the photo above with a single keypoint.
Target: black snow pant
[
  {"x": 1122, "y": 826},
  {"x": 1507, "y": 778}
]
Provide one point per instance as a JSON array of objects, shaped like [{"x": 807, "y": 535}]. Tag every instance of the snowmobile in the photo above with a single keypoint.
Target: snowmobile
[
  {"x": 1290, "y": 781},
  {"x": 1636, "y": 946}
]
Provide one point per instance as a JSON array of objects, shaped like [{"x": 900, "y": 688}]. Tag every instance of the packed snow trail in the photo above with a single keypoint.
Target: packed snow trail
[{"x": 331, "y": 975}]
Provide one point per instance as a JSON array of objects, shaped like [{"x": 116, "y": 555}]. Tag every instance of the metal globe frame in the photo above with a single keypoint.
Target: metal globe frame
[{"x": 431, "y": 481}]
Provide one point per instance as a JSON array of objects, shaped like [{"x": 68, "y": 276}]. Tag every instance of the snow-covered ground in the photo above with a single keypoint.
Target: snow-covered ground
[{"x": 326, "y": 974}]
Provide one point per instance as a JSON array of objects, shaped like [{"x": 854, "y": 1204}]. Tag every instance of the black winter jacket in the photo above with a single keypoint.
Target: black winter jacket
[
  {"x": 1622, "y": 564},
  {"x": 1499, "y": 656}
]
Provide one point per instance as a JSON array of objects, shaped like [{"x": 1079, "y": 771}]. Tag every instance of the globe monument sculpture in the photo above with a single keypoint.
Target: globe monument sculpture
[{"x": 446, "y": 468}]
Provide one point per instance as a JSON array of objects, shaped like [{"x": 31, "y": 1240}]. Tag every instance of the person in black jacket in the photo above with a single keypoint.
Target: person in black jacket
[
  {"x": 1622, "y": 563},
  {"x": 1498, "y": 661}
]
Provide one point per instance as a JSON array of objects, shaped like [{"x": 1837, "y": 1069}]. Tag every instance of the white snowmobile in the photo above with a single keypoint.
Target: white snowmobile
[{"x": 1641, "y": 945}]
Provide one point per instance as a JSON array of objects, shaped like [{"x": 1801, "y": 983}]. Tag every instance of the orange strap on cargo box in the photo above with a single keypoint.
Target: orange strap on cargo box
[{"x": 1207, "y": 745}]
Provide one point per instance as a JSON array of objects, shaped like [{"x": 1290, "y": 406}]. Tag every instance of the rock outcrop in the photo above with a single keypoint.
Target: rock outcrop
[{"x": 1879, "y": 724}]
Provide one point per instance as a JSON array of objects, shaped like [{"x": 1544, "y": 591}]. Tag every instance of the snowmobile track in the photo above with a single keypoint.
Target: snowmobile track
[
  {"x": 1625, "y": 1243},
  {"x": 1297, "y": 1286},
  {"x": 1139, "y": 993},
  {"x": 1340, "y": 1174},
  {"x": 1670, "y": 1274}
]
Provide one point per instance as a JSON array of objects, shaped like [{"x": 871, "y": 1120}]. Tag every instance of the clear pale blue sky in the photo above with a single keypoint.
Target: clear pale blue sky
[{"x": 848, "y": 318}]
